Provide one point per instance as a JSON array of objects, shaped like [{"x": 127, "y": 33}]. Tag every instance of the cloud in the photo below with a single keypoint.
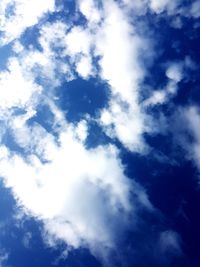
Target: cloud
[
  {"x": 27, "y": 239},
  {"x": 174, "y": 72},
  {"x": 119, "y": 48},
  {"x": 195, "y": 9},
  {"x": 3, "y": 257},
  {"x": 191, "y": 116},
  {"x": 17, "y": 15},
  {"x": 82, "y": 196},
  {"x": 170, "y": 242},
  {"x": 20, "y": 96},
  {"x": 90, "y": 10},
  {"x": 164, "y": 7},
  {"x": 159, "y": 6},
  {"x": 139, "y": 7}
]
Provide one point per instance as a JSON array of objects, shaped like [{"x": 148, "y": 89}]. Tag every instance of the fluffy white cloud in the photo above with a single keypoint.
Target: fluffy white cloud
[
  {"x": 119, "y": 48},
  {"x": 159, "y": 6},
  {"x": 17, "y": 88},
  {"x": 17, "y": 15},
  {"x": 139, "y": 7},
  {"x": 90, "y": 10},
  {"x": 174, "y": 72},
  {"x": 79, "y": 194},
  {"x": 84, "y": 67},
  {"x": 126, "y": 124}
]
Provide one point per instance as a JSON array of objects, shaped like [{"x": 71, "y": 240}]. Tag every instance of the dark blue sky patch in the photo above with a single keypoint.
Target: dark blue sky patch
[
  {"x": 96, "y": 136},
  {"x": 172, "y": 46},
  {"x": 7, "y": 203},
  {"x": 81, "y": 258},
  {"x": 9, "y": 141},
  {"x": 43, "y": 117},
  {"x": 5, "y": 52},
  {"x": 80, "y": 97},
  {"x": 37, "y": 253},
  {"x": 30, "y": 38},
  {"x": 173, "y": 190}
]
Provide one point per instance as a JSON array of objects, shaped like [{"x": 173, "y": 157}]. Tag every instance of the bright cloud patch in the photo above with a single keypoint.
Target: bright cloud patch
[
  {"x": 17, "y": 15},
  {"x": 79, "y": 194}
]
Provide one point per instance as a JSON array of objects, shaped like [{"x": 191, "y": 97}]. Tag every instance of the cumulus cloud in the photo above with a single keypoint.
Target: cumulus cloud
[
  {"x": 90, "y": 10},
  {"x": 17, "y": 15},
  {"x": 79, "y": 194},
  {"x": 20, "y": 96},
  {"x": 174, "y": 72}
]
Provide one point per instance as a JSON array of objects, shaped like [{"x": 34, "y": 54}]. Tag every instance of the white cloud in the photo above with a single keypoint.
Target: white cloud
[
  {"x": 126, "y": 124},
  {"x": 48, "y": 64},
  {"x": 17, "y": 15},
  {"x": 57, "y": 36},
  {"x": 17, "y": 89},
  {"x": 79, "y": 194},
  {"x": 119, "y": 48},
  {"x": 84, "y": 67},
  {"x": 195, "y": 9},
  {"x": 78, "y": 40},
  {"x": 158, "y": 97},
  {"x": 159, "y": 6},
  {"x": 139, "y": 7},
  {"x": 89, "y": 9},
  {"x": 174, "y": 72},
  {"x": 82, "y": 130}
]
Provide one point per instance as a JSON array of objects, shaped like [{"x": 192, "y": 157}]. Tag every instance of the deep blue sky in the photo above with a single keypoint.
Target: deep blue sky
[{"x": 163, "y": 231}]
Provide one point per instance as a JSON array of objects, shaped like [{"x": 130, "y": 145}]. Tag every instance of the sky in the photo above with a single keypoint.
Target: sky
[{"x": 99, "y": 133}]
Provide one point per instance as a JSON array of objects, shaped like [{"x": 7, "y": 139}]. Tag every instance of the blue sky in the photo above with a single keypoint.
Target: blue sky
[{"x": 99, "y": 133}]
